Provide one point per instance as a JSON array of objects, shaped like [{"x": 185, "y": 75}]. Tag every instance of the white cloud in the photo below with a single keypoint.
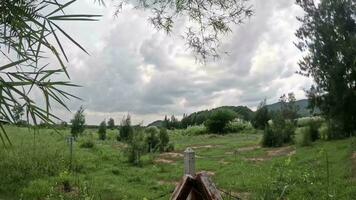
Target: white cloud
[{"x": 133, "y": 68}]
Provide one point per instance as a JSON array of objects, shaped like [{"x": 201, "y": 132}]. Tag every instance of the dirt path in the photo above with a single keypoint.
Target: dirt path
[
  {"x": 169, "y": 157},
  {"x": 274, "y": 152}
]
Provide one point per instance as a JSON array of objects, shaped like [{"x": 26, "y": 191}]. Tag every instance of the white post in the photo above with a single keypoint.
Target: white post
[{"x": 189, "y": 162}]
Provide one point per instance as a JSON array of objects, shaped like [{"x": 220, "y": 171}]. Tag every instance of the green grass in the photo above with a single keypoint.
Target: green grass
[{"x": 37, "y": 168}]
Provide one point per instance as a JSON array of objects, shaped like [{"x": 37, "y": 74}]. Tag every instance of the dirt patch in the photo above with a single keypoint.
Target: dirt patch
[
  {"x": 281, "y": 151},
  {"x": 260, "y": 159},
  {"x": 243, "y": 149},
  {"x": 168, "y": 157},
  {"x": 222, "y": 161},
  {"x": 275, "y": 152},
  {"x": 164, "y": 161},
  {"x": 242, "y": 195},
  {"x": 209, "y": 173},
  {"x": 248, "y": 148},
  {"x": 119, "y": 146},
  {"x": 203, "y": 146},
  {"x": 171, "y": 155}
]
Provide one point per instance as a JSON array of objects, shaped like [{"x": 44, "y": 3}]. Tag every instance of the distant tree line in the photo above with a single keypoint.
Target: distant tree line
[{"x": 201, "y": 117}]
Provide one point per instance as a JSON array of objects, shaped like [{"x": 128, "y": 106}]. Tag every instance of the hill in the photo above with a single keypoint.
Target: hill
[
  {"x": 243, "y": 112},
  {"x": 200, "y": 117},
  {"x": 157, "y": 123},
  {"x": 302, "y": 104}
]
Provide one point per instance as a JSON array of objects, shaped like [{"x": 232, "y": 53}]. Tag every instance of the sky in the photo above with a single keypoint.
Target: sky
[{"x": 133, "y": 68}]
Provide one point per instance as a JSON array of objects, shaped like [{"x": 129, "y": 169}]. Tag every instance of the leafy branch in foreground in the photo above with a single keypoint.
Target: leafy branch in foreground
[
  {"x": 29, "y": 35},
  {"x": 207, "y": 20}
]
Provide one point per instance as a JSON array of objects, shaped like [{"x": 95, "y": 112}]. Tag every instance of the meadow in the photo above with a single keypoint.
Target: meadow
[{"x": 37, "y": 166}]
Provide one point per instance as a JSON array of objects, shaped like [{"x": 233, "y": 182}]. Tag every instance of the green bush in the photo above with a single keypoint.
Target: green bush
[
  {"x": 306, "y": 136},
  {"x": 163, "y": 139},
  {"x": 126, "y": 130},
  {"x": 152, "y": 138},
  {"x": 238, "y": 126},
  {"x": 314, "y": 126},
  {"x": 102, "y": 130},
  {"x": 271, "y": 138},
  {"x": 279, "y": 132},
  {"x": 324, "y": 131},
  {"x": 218, "y": 120},
  {"x": 137, "y": 146},
  {"x": 261, "y": 116},
  {"x": 170, "y": 147},
  {"x": 195, "y": 130},
  {"x": 336, "y": 130},
  {"x": 78, "y": 123},
  {"x": 87, "y": 143}
]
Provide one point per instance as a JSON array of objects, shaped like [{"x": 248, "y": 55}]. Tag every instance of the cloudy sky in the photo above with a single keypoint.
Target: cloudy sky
[{"x": 134, "y": 68}]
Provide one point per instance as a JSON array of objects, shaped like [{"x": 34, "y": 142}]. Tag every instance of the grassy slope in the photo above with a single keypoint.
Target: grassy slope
[{"x": 36, "y": 169}]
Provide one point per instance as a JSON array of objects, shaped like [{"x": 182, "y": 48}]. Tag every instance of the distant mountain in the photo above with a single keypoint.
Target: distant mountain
[
  {"x": 157, "y": 123},
  {"x": 303, "y": 111},
  {"x": 244, "y": 112}
]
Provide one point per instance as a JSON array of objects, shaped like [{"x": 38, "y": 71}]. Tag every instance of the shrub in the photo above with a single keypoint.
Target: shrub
[
  {"x": 163, "y": 139},
  {"x": 152, "y": 138},
  {"x": 306, "y": 139},
  {"x": 271, "y": 138},
  {"x": 261, "y": 117},
  {"x": 126, "y": 130},
  {"x": 136, "y": 147},
  {"x": 195, "y": 130},
  {"x": 279, "y": 132},
  {"x": 314, "y": 126},
  {"x": 78, "y": 123},
  {"x": 218, "y": 120},
  {"x": 238, "y": 126},
  {"x": 324, "y": 131},
  {"x": 111, "y": 124},
  {"x": 170, "y": 147},
  {"x": 102, "y": 130},
  {"x": 88, "y": 143}
]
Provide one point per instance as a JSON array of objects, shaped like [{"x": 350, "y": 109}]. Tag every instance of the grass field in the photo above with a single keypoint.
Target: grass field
[{"x": 37, "y": 167}]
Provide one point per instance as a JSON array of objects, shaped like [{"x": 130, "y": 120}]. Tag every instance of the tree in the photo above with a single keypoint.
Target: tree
[
  {"x": 102, "y": 130},
  {"x": 218, "y": 120},
  {"x": 163, "y": 139},
  {"x": 152, "y": 138},
  {"x": 261, "y": 117},
  {"x": 29, "y": 37},
  {"x": 327, "y": 37},
  {"x": 166, "y": 122},
  {"x": 111, "y": 124},
  {"x": 78, "y": 123},
  {"x": 126, "y": 130},
  {"x": 289, "y": 109},
  {"x": 136, "y": 147}
]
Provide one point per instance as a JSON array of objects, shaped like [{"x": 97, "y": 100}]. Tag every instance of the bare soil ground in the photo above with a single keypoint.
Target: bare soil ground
[{"x": 275, "y": 152}]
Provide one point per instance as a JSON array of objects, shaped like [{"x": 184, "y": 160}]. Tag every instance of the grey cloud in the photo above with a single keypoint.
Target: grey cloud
[{"x": 148, "y": 73}]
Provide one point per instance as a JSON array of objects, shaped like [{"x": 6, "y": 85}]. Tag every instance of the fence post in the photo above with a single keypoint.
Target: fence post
[{"x": 189, "y": 162}]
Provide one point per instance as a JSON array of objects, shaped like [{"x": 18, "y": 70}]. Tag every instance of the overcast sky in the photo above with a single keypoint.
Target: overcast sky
[{"x": 134, "y": 68}]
